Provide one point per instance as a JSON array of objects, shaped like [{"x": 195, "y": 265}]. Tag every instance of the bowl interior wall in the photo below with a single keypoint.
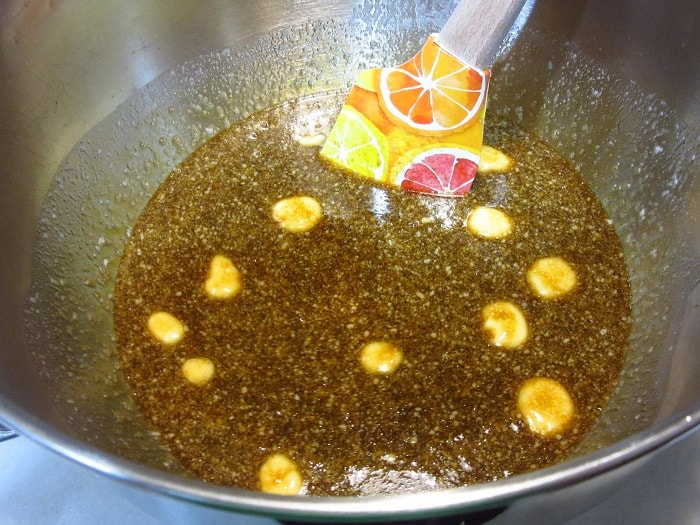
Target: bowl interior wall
[{"x": 632, "y": 136}]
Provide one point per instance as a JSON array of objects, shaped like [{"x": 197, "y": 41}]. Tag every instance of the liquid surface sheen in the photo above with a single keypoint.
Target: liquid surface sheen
[{"x": 277, "y": 370}]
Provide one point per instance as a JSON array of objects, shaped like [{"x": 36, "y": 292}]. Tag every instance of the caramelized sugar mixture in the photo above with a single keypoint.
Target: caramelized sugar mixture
[{"x": 276, "y": 368}]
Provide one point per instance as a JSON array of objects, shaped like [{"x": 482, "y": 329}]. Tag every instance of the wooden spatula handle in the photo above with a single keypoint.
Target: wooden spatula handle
[{"x": 477, "y": 28}]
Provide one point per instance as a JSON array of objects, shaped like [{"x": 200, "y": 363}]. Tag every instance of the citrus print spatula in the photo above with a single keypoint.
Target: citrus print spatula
[{"x": 420, "y": 125}]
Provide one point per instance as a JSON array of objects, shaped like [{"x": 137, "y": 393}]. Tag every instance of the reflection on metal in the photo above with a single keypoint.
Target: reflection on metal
[
  {"x": 6, "y": 433},
  {"x": 515, "y": 29}
]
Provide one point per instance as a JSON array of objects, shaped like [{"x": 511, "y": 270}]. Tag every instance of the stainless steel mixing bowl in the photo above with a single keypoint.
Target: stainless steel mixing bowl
[{"x": 98, "y": 101}]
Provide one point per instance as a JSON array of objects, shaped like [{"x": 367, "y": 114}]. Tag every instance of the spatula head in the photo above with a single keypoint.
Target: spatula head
[{"x": 418, "y": 125}]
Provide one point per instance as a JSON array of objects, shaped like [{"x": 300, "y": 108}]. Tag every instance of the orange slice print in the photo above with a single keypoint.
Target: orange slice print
[
  {"x": 443, "y": 170},
  {"x": 433, "y": 93}
]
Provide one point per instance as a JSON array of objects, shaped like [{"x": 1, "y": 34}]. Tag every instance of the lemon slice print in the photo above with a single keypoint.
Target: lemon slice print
[{"x": 356, "y": 144}]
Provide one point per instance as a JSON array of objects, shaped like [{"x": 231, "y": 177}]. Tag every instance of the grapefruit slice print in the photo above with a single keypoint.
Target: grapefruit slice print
[{"x": 442, "y": 170}]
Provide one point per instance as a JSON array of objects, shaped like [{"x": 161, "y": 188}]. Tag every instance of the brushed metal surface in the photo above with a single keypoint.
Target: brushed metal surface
[{"x": 614, "y": 86}]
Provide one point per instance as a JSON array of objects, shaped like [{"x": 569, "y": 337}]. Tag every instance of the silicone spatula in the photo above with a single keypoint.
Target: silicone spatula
[{"x": 420, "y": 125}]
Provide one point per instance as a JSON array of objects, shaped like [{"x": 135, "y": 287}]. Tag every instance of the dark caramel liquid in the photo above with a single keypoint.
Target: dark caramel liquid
[{"x": 383, "y": 264}]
